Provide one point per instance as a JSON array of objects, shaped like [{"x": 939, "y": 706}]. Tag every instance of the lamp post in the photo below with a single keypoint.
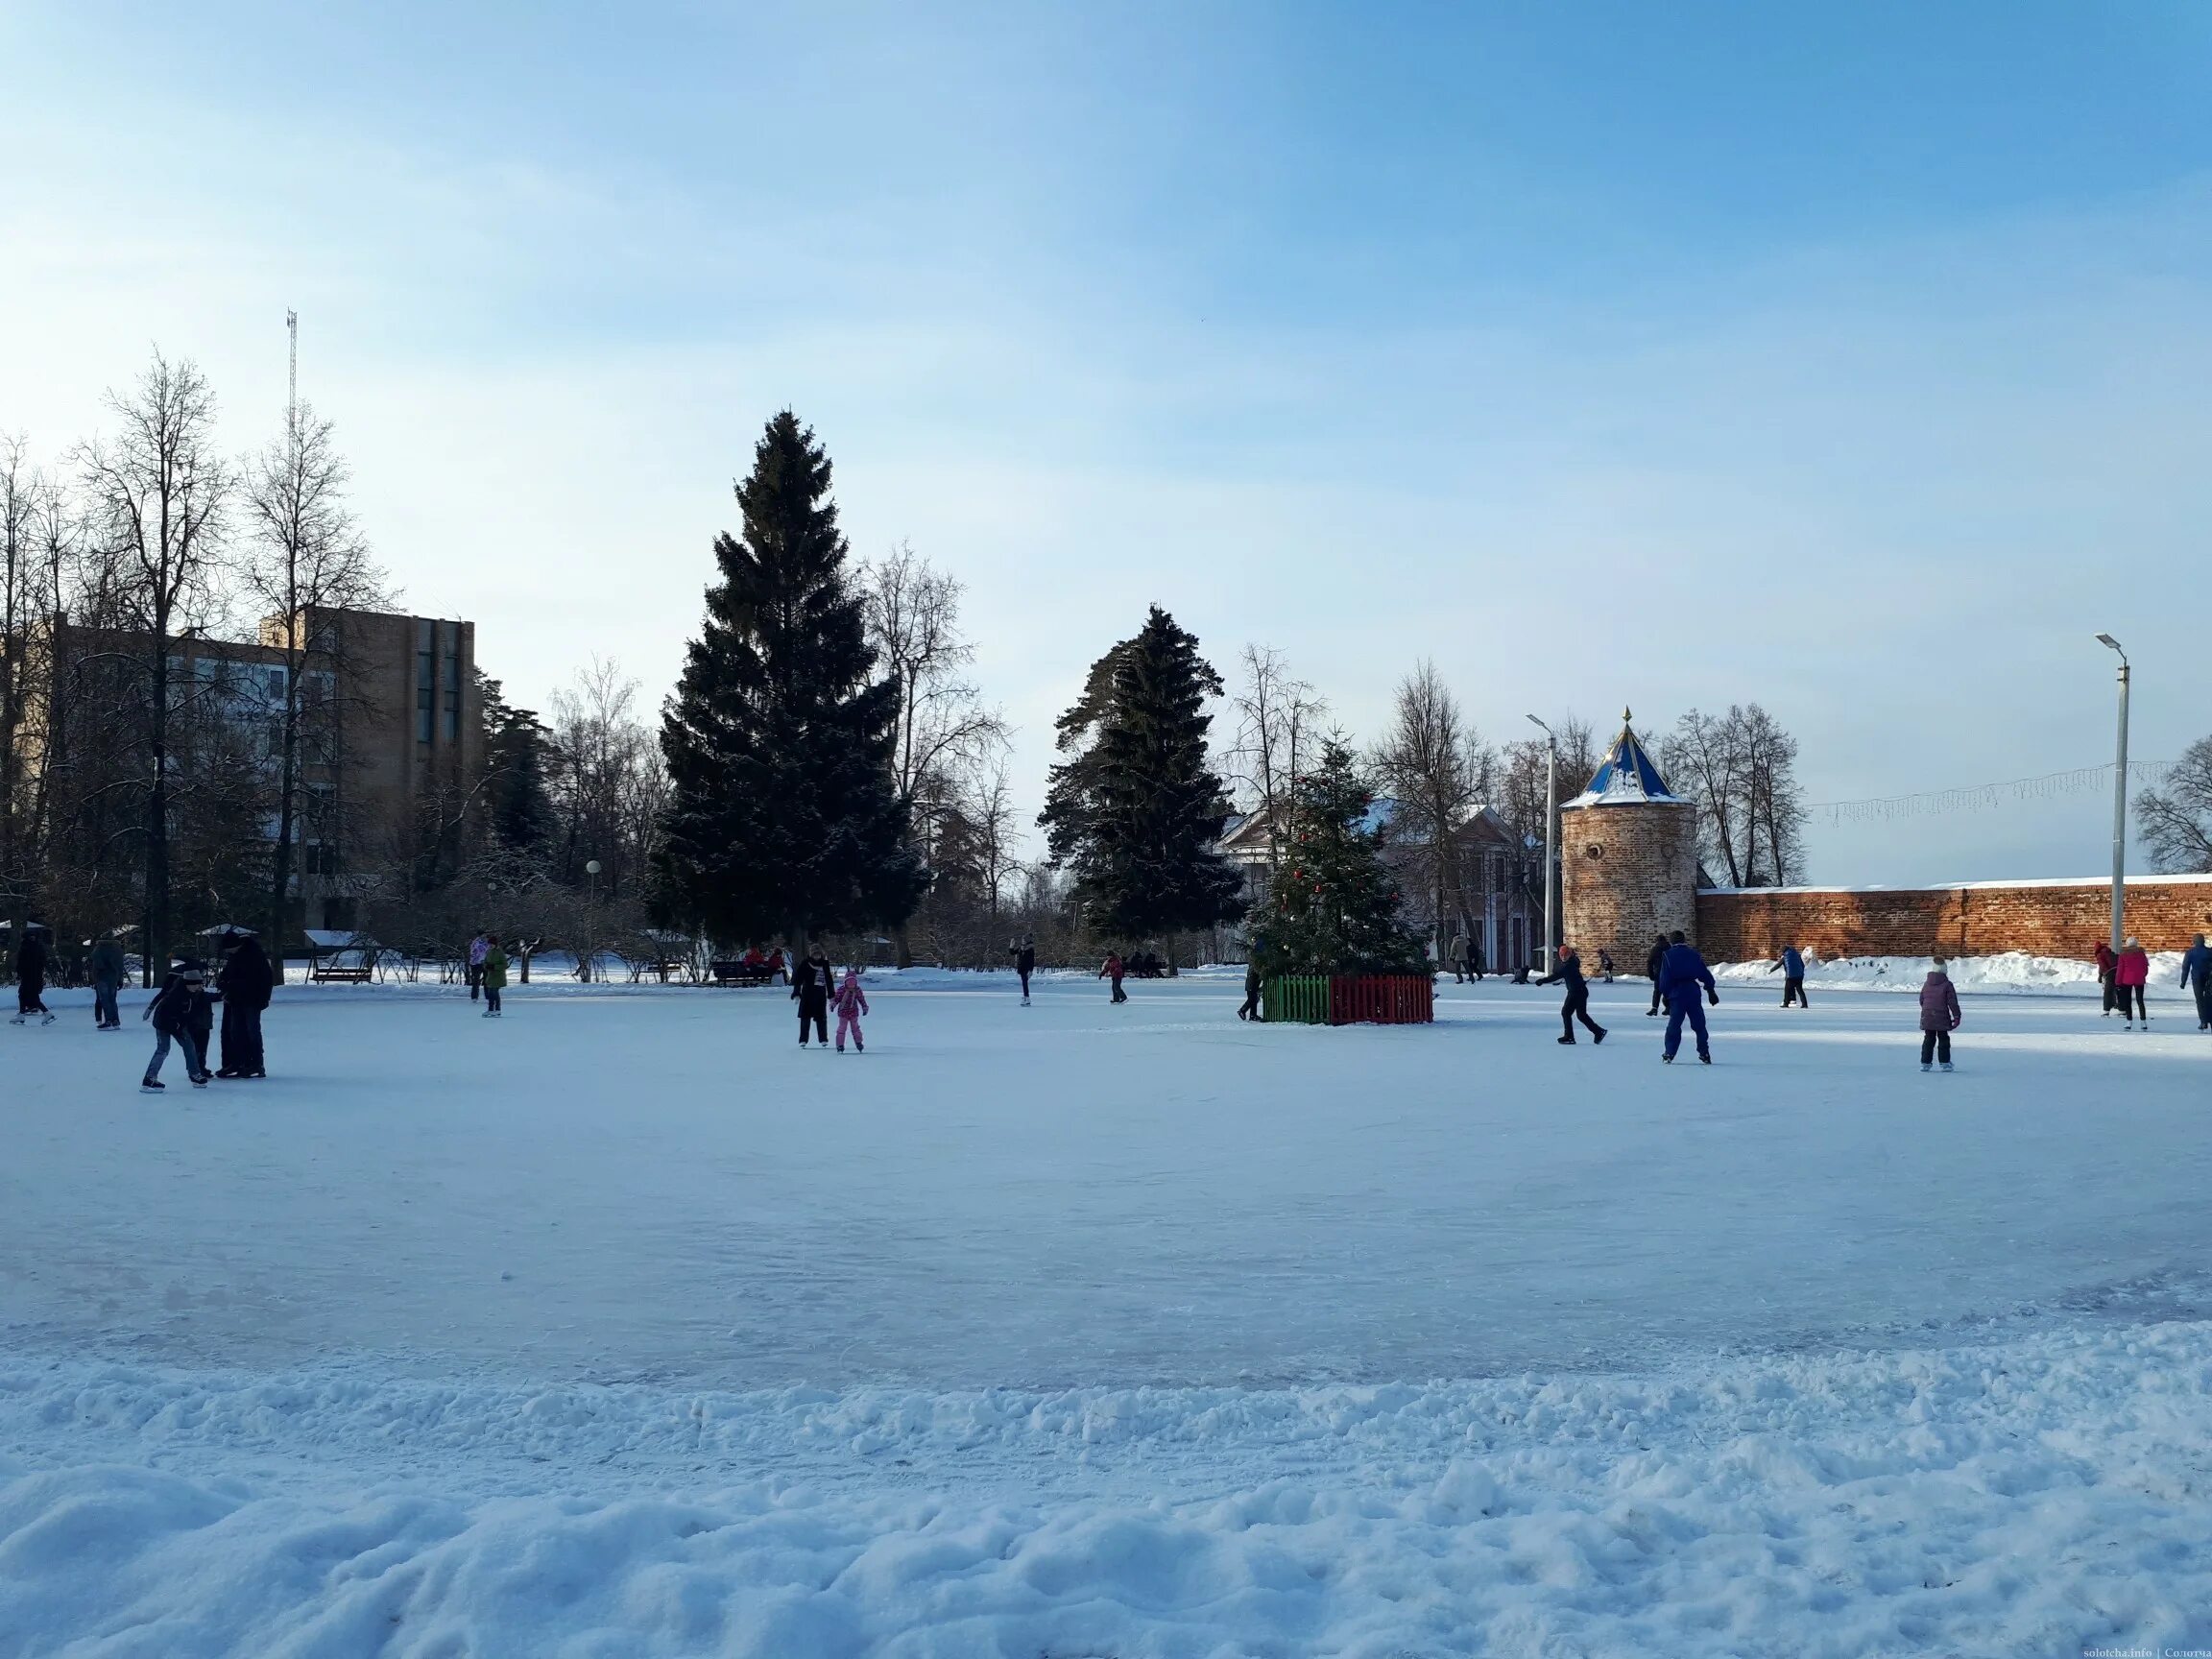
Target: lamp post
[
  {"x": 2119, "y": 807},
  {"x": 591, "y": 869},
  {"x": 1550, "y": 835}
]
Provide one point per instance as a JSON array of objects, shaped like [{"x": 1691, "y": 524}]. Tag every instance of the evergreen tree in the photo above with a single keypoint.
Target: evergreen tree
[
  {"x": 1135, "y": 811},
  {"x": 1333, "y": 908},
  {"x": 782, "y": 819},
  {"x": 518, "y": 760}
]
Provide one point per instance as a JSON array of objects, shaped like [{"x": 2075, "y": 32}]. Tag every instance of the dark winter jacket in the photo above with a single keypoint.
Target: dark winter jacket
[
  {"x": 1655, "y": 961},
  {"x": 108, "y": 965},
  {"x": 1938, "y": 1004},
  {"x": 31, "y": 963},
  {"x": 1792, "y": 965},
  {"x": 810, "y": 983},
  {"x": 2195, "y": 965},
  {"x": 1111, "y": 970},
  {"x": 1684, "y": 971},
  {"x": 1026, "y": 959},
  {"x": 246, "y": 980},
  {"x": 1570, "y": 970},
  {"x": 2104, "y": 960},
  {"x": 182, "y": 1006}
]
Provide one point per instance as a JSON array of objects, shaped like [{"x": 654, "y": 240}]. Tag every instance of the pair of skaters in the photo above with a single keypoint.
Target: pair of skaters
[{"x": 815, "y": 988}]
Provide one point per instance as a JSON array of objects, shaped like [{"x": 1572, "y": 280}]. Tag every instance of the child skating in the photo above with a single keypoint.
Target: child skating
[
  {"x": 850, "y": 1003},
  {"x": 179, "y": 1012},
  {"x": 491, "y": 973},
  {"x": 1939, "y": 1017}
]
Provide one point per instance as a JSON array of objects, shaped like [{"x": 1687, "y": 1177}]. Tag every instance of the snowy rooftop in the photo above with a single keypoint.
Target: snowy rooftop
[{"x": 1628, "y": 777}]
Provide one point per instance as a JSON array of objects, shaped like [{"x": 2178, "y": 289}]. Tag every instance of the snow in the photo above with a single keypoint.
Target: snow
[
  {"x": 2014, "y": 972},
  {"x": 619, "y": 1325}
]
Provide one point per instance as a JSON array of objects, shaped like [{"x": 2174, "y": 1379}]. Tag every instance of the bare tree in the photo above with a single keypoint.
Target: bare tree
[
  {"x": 2175, "y": 821},
  {"x": 942, "y": 729},
  {"x": 1278, "y": 727},
  {"x": 19, "y": 607},
  {"x": 161, "y": 492},
  {"x": 1434, "y": 767},
  {"x": 1740, "y": 770},
  {"x": 305, "y": 556}
]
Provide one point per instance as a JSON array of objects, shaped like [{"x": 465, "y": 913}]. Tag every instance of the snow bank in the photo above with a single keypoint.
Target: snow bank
[
  {"x": 2038, "y": 1496},
  {"x": 2014, "y": 972}
]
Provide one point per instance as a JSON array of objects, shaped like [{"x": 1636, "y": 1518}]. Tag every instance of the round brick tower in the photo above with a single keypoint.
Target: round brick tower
[{"x": 1627, "y": 859}]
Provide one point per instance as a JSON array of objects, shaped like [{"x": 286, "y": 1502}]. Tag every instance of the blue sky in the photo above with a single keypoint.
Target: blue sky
[{"x": 1850, "y": 359}]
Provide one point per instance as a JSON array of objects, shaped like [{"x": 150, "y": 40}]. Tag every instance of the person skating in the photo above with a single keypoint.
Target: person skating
[
  {"x": 31, "y": 980},
  {"x": 247, "y": 984},
  {"x": 2197, "y": 974},
  {"x": 1113, "y": 968},
  {"x": 1025, "y": 962},
  {"x": 179, "y": 1012},
  {"x": 1605, "y": 966},
  {"x": 478, "y": 947},
  {"x": 107, "y": 969},
  {"x": 1938, "y": 1016},
  {"x": 1792, "y": 968},
  {"x": 1476, "y": 965},
  {"x": 2106, "y": 962},
  {"x": 1578, "y": 1003},
  {"x": 494, "y": 977},
  {"x": 1652, "y": 963},
  {"x": 1249, "y": 1008},
  {"x": 2130, "y": 974},
  {"x": 1457, "y": 954},
  {"x": 810, "y": 990},
  {"x": 1682, "y": 974},
  {"x": 851, "y": 1002}
]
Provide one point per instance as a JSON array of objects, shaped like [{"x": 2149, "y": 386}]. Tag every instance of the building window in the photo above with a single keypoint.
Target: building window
[
  {"x": 450, "y": 679},
  {"x": 425, "y": 684}
]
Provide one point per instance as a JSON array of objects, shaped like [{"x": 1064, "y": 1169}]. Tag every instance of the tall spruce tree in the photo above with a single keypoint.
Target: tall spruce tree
[
  {"x": 782, "y": 819},
  {"x": 1334, "y": 906},
  {"x": 1135, "y": 811}
]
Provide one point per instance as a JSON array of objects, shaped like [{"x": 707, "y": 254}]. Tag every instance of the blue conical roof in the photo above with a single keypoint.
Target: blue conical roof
[{"x": 1628, "y": 776}]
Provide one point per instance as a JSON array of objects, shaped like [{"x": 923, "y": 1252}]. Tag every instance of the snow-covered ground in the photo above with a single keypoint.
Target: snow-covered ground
[
  {"x": 2014, "y": 972},
  {"x": 620, "y": 1326}
]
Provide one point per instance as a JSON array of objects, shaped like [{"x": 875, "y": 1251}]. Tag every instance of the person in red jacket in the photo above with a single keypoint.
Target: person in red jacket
[
  {"x": 2105, "y": 963},
  {"x": 1114, "y": 969},
  {"x": 2129, "y": 975},
  {"x": 1939, "y": 1017}
]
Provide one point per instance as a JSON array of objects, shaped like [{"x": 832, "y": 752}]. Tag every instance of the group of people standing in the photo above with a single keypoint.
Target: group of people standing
[
  {"x": 816, "y": 988},
  {"x": 182, "y": 1013},
  {"x": 2124, "y": 973},
  {"x": 486, "y": 972}
]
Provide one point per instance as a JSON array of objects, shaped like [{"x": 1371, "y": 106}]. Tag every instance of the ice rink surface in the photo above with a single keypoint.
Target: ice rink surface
[{"x": 661, "y": 1186}]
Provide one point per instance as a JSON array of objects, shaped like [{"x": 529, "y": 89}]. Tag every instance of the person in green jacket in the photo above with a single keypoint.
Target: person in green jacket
[{"x": 495, "y": 976}]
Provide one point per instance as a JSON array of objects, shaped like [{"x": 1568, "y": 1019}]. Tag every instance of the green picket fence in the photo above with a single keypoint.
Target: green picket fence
[{"x": 1297, "y": 1000}]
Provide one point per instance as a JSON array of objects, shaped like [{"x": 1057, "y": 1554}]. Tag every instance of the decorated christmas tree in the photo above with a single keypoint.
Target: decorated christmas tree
[{"x": 1334, "y": 904}]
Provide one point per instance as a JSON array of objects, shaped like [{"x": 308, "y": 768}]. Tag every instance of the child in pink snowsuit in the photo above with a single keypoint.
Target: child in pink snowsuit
[{"x": 850, "y": 1003}]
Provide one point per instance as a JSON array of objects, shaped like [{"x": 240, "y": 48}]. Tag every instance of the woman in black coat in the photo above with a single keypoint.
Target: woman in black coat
[{"x": 246, "y": 983}]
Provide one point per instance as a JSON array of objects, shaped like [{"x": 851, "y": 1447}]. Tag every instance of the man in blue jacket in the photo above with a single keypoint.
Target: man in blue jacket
[
  {"x": 1792, "y": 968},
  {"x": 1681, "y": 974},
  {"x": 2196, "y": 973}
]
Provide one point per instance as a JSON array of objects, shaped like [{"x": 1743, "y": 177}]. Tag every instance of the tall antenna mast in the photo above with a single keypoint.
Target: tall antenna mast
[{"x": 292, "y": 401}]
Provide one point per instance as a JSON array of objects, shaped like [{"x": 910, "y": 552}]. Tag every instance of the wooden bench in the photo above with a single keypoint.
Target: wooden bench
[
  {"x": 734, "y": 973},
  {"x": 324, "y": 972}
]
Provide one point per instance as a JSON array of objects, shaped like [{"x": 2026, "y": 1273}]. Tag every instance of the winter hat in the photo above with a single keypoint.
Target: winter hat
[
  {"x": 1936, "y": 966},
  {"x": 2134, "y": 943}
]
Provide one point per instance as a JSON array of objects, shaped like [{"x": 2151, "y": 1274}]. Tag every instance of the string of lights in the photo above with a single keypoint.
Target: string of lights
[{"x": 1978, "y": 797}]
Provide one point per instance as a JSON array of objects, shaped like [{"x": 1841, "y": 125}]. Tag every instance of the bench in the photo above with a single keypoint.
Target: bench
[
  {"x": 324, "y": 973},
  {"x": 734, "y": 973}
]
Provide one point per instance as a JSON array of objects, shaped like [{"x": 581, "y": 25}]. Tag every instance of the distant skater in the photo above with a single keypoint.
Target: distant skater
[
  {"x": 31, "y": 980},
  {"x": 1476, "y": 966},
  {"x": 851, "y": 1002},
  {"x": 106, "y": 984},
  {"x": 1113, "y": 970},
  {"x": 2196, "y": 976},
  {"x": 1938, "y": 1016},
  {"x": 1605, "y": 966},
  {"x": 2129, "y": 975},
  {"x": 179, "y": 1013},
  {"x": 1249, "y": 1008},
  {"x": 2106, "y": 962},
  {"x": 810, "y": 990},
  {"x": 1456, "y": 955},
  {"x": 1578, "y": 1003},
  {"x": 1025, "y": 963},
  {"x": 492, "y": 974},
  {"x": 1654, "y": 963},
  {"x": 1792, "y": 968},
  {"x": 1682, "y": 973},
  {"x": 478, "y": 948}
]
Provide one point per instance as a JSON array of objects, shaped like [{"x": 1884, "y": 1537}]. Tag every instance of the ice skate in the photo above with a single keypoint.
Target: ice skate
[
  {"x": 150, "y": 1086},
  {"x": 1566, "y": 1041},
  {"x": 48, "y": 1021},
  {"x": 1946, "y": 1065},
  {"x": 1598, "y": 1036},
  {"x": 1668, "y": 1059},
  {"x": 1927, "y": 1066},
  {"x": 1705, "y": 1059}
]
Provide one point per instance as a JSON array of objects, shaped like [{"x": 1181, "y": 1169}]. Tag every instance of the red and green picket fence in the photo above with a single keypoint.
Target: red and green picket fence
[{"x": 1350, "y": 999}]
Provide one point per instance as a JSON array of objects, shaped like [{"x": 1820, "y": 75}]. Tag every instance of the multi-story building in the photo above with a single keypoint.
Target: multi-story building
[{"x": 392, "y": 738}]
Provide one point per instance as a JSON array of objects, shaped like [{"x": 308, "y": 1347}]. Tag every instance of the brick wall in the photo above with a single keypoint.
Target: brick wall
[
  {"x": 2044, "y": 919},
  {"x": 1626, "y": 872}
]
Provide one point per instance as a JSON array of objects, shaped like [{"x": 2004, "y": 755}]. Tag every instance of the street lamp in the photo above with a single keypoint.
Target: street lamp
[
  {"x": 1550, "y": 833},
  {"x": 591, "y": 869},
  {"x": 2119, "y": 806}
]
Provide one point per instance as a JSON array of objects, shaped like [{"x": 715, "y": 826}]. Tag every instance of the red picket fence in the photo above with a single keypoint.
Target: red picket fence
[{"x": 1381, "y": 999}]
